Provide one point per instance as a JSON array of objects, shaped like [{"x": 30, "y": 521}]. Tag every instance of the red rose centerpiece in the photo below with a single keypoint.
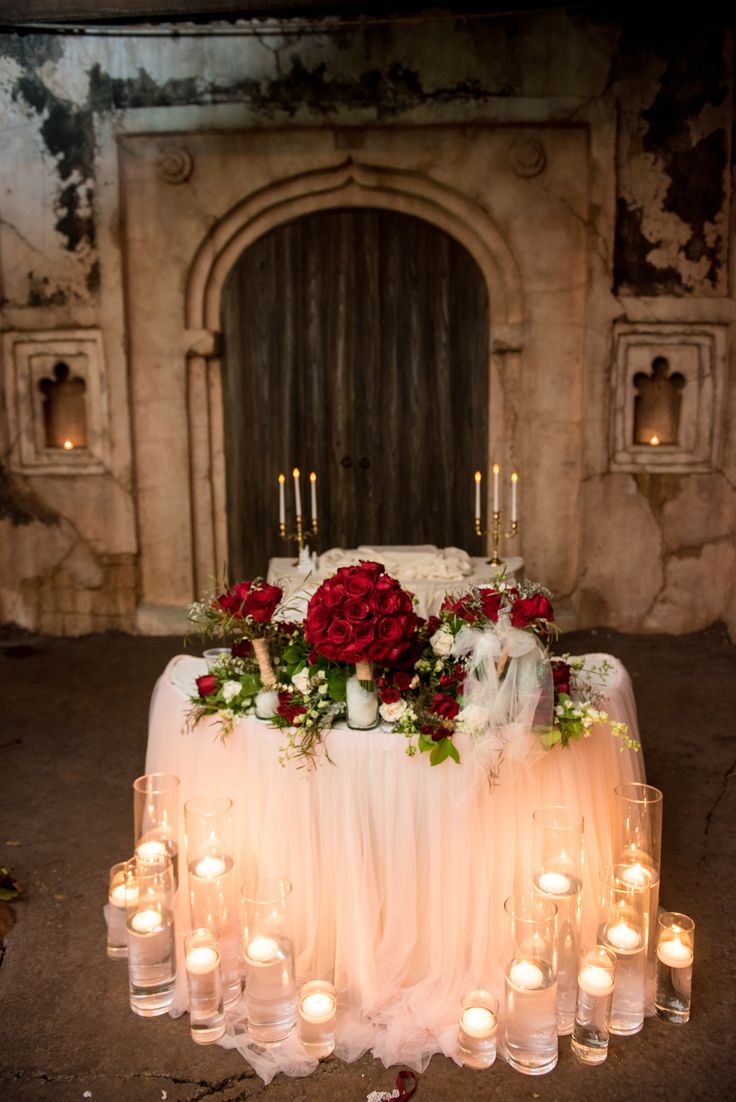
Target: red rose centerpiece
[{"x": 361, "y": 615}]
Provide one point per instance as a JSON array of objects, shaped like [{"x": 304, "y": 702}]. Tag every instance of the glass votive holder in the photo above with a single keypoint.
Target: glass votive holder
[
  {"x": 149, "y": 921},
  {"x": 596, "y": 983},
  {"x": 270, "y": 987},
  {"x": 531, "y": 984},
  {"x": 122, "y": 889},
  {"x": 675, "y": 952},
  {"x": 624, "y": 910},
  {"x": 156, "y": 819},
  {"x": 204, "y": 980},
  {"x": 478, "y": 1028},
  {"x": 317, "y": 1016},
  {"x": 214, "y": 655}
]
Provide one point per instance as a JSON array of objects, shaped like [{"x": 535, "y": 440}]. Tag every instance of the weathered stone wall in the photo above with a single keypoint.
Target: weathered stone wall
[{"x": 655, "y": 550}]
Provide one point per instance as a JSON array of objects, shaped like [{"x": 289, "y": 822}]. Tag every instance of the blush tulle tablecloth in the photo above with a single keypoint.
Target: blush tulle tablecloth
[{"x": 399, "y": 870}]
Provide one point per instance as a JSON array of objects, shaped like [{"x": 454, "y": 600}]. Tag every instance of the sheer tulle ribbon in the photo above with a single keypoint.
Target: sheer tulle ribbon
[{"x": 508, "y": 692}]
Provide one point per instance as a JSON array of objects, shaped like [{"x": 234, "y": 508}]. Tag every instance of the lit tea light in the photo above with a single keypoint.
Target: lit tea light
[
  {"x": 121, "y": 895},
  {"x": 594, "y": 980},
  {"x": 147, "y": 922},
  {"x": 654, "y": 440},
  {"x": 675, "y": 953},
  {"x": 202, "y": 960},
  {"x": 526, "y": 975},
  {"x": 554, "y": 883},
  {"x": 150, "y": 853},
  {"x": 210, "y": 867},
  {"x": 68, "y": 445},
  {"x": 624, "y": 937},
  {"x": 318, "y": 1008},
  {"x": 263, "y": 950},
  {"x": 638, "y": 875},
  {"x": 478, "y": 1022}
]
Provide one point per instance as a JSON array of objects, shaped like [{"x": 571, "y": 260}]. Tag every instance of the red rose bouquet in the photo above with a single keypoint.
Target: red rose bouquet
[
  {"x": 245, "y": 610},
  {"x": 361, "y": 615}
]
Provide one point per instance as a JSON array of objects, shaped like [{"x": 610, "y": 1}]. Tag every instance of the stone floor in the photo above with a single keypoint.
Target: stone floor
[{"x": 73, "y": 737}]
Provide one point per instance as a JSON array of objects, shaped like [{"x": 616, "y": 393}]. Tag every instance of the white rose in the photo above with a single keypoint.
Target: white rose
[
  {"x": 442, "y": 642},
  {"x": 392, "y": 712},
  {"x": 230, "y": 690},
  {"x": 473, "y": 719},
  {"x": 300, "y": 680}
]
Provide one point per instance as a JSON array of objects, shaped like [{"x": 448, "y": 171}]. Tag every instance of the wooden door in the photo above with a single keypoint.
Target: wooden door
[{"x": 356, "y": 345}]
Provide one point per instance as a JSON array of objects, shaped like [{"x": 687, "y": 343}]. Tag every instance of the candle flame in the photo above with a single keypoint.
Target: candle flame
[
  {"x": 477, "y": 476},
  {"x": 68, "y": 445},
  {"x": 514, "y": 477},
  {"x": 313, "y": 476},
  {"x": 295, "y": 472},
  {"x": 496, "y": 468},
  {"x": 282, "y": 478},
  {"x": 654, "y": 440}
]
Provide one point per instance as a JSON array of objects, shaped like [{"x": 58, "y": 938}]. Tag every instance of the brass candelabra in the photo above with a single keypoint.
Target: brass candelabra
[
  {"x": 301, "y": 534},
  {"x": 495, "y": 534}
]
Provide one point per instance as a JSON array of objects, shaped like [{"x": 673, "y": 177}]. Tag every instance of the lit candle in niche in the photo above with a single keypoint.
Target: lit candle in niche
[
  {"x": 68, "y": 445},
  {"x": 297, "y": 492},
  {"x": 478, "y": 478},
  {"x": 282, "y": 502},
  {"x": 514, "y": 497},
  {"x": 313, "y": 489},
  {"x": 654, "y": 440},
  {"x": 496, "y": 495}
]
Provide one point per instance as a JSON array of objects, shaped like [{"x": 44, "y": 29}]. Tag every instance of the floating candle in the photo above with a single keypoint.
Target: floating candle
[
  {"x": 202, "y": 960},
  {"x": 150, "y": 852},
  {"x": 526, "y": 975},
  {"x": 121, "y": 895},
  {"x": 318, "y": 1007},
  {"x": 675, "y": 953},
  {"x": 624, "y": 937},
  {"x": 554, "y": 883},
  {"x": 478, "y": 1022},
  {"x": 210, "y": 867},
  {"x": 262, "y": 950},
  {"x": 594, "y": 980},
  {"x": 147, "y": 922},
  {"x": 638, "y": 875}
]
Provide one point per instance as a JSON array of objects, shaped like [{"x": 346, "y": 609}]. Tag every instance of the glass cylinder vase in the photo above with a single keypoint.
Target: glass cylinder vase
[
  {"x": 623, "y": 913},
  {"x": 558, "y": 875},
  {"x": 156, "y": 819},
  {"x": 675, "y": 953},
  {"x": 531, "y": 984},
  {"x": 639, "y": 846},
  {"x": 478, "y": 1029},
  {"x": 269, "y": 960},
  {"x": 595, "y": 986},
  {"x": 317, "y": 1016},
  {"x": 361, "y": 698},
  {"x": 149, "y": 920},
  {"x": 204, "y": 981},
  {"x": 213, "y": 889},
  {"x": 122, "y": 888}
]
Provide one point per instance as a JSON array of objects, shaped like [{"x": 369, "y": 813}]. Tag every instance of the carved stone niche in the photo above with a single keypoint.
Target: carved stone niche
[
  {"x": 56, "y": 401},
  {"x": 667, "y": 396}
]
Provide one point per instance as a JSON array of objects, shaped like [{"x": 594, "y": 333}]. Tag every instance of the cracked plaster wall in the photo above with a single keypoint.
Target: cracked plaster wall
[{"x": 656, "y": 551}]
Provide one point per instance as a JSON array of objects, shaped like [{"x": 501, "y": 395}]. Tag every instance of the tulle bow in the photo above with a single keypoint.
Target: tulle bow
[{"x": 508, "y": 691}]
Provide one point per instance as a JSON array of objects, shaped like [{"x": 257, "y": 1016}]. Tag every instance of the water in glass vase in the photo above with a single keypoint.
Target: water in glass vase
[
  {"x": 151, "y": 968},
  {"x": 270, "y": 989},
  {"x": 531, "y": 1016}
]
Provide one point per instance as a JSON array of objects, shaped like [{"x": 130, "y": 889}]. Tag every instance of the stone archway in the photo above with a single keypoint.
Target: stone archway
[{"x": 350, "y": 184}]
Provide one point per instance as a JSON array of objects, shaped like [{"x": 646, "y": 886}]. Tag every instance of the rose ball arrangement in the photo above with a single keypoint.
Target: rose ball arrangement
[{"x": 361, "y": 616}]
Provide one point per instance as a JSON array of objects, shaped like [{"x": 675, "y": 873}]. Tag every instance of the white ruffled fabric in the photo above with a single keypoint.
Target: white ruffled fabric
[{"x": 399, "y": 870}]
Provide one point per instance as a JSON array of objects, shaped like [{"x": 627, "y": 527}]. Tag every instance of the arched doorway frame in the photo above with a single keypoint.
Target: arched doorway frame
[{"x": 349, "y": 184}]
